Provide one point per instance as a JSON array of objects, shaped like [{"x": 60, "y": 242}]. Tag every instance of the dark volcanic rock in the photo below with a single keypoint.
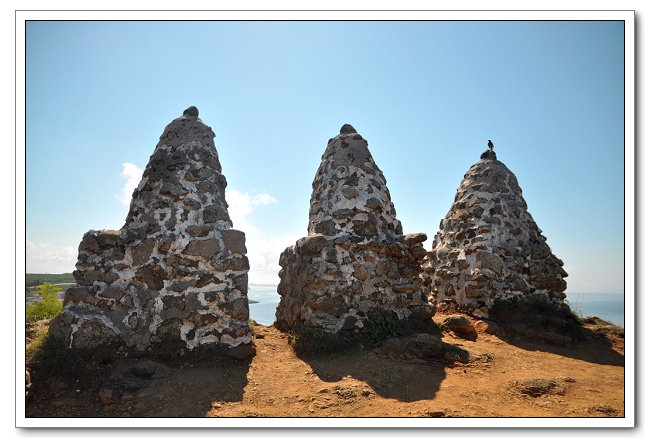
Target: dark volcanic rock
[
  {"x": 191, "y": 111},
  {"x": 347, "y": 129}
]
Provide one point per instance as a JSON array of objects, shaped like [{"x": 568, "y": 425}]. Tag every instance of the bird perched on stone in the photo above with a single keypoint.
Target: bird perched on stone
[{"x": 490, "y": 145}]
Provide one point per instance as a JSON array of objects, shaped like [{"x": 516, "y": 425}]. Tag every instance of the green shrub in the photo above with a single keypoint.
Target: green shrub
[
  {"x": 575, "y": 316},
  {"x": 536, "y": 313},
  {"x": 381, "y": 327},
  {"x": 310, "y": 340},
  {"x": 48, "y": 307}
]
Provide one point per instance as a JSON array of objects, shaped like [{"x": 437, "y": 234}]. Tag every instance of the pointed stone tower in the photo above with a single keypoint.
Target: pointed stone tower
[
  {"x": 489, "y": 247},
  {"x": 175, "y": 276},
  {"x": 355, "y": 265}
]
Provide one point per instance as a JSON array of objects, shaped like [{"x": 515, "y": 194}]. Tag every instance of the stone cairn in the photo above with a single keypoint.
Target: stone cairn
[
  {"x": 489, "y": 247},
  {"x": 355, "y": 264},
  {"x": 176, "y": 275}
]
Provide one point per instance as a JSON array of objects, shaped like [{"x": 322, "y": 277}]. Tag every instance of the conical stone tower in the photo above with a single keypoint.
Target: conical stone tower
[
  {"x": 175, "y": 276},
  {"x": 355, "y": 265},
  {"x": 489, "y": 247}
]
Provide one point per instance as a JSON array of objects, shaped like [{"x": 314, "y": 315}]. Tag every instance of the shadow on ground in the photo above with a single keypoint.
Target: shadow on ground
[
  {"x": 534, "y": 324},
  {"x": 388, "y": 378},
  {"x": 587, "y": 345},
  {"x": 406, "y": 368},
  {"x": 143, "y": 388},
  {"x": 192, "y": 389}
]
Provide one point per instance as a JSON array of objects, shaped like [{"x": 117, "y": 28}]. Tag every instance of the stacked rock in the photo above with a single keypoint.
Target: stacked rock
[
  {"x": 176, "y": 275},
  {"x": 355, "y": 264},
  {"x": 489, "y": 247}
]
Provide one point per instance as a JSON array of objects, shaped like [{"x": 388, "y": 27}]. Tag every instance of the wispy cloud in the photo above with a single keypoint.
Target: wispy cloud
[
  {"x": 241, "y": 205},
  {"x": 49, "y": 258},
  {"x": 264, "y": 257},
  {"x": 263, "y": 250},
  {"x": 132, "y": 173},
  {"x": 263, "y": 199}
]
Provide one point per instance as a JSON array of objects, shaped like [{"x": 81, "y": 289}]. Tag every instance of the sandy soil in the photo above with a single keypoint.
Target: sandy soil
[{"x": 514, "y": 378}]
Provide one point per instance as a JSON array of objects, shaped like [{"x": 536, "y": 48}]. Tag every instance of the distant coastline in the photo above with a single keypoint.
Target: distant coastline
[{"x": 607, "y": 306}]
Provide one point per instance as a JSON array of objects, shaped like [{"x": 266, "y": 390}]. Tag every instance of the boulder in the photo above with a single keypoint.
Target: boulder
[
  {"x": 460, "y": 325},
  {"x": 487, "y": 327}
]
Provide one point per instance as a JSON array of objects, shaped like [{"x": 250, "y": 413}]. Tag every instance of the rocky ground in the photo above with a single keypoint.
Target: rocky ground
[{"x": 490, "y": 376}]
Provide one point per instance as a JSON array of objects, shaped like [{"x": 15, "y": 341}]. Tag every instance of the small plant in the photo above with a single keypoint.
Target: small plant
[
  {"x": 575, "y": 316},
  {"x": 53, "y": 358},
  {"x": 346, "y": 391},
  {"x": 381, "y": 327},
  {"x": 310, "y": 340},
  {"x": 176, "y": 354},
  {"x": 48, "y": 307}
]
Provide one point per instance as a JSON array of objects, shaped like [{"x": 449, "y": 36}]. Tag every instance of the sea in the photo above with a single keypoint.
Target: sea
[
  {"x": 267, "y": 298},
  {"x": 608, "y": 307}
]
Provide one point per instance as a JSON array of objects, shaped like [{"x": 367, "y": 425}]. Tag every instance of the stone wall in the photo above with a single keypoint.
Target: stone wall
[
  {"x": 355, "y": 264},
  {"x": 176, "y": 274},
  {"x": 489, "y": 247}
]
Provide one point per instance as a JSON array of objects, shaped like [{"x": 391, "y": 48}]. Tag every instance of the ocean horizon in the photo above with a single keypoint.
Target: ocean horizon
[{"x": 607, "y": 306}]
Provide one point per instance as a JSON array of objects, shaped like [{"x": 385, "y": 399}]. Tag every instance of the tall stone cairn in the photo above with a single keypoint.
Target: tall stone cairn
[
  {"x": 489, "y": 247},
  {"x": 355, "y": 264},
  {"x": 175, "y": 276}
]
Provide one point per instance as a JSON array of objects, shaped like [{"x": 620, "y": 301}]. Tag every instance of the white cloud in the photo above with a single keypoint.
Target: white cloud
[
  {"x": 241, "y": 205},
  {"x": 133, "y": 175},
  {"x": 263, "y": 250},
  {"x": 46, "y": 258},
  {"x": 263, "y": 199},
  {"x": 264, "y": 257}
]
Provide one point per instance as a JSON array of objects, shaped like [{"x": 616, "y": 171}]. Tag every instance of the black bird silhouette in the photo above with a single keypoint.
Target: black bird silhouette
[{"x": 490, "y": 145}]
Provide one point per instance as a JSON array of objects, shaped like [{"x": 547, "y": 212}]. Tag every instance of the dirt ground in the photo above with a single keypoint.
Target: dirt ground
[{"x": 498, "y": 378}]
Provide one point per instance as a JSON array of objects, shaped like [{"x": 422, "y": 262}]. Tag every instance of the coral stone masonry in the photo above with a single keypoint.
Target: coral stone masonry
[
  {"x": 175, "y": 276},
  {"x": 489, "y": 247},
  {"x": 355, "y": 264}
]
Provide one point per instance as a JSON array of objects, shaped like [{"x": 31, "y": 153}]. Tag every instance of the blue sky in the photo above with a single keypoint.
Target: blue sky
[{"x": 426, "y": 96}]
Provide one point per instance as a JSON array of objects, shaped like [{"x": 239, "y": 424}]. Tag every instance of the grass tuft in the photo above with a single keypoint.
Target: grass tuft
[{"x": 52, "y": 358}]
